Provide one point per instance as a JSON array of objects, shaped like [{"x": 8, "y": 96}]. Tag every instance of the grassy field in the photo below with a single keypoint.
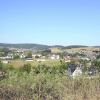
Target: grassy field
[
  {"x": 19, "y": 63},
  {"x": 39, "y": 82}
]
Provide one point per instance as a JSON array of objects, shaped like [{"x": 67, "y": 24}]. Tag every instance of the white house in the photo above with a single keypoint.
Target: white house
[
  {"x": 40, "y": 60},
  {"x": 54, "y": 57},
  {"x": 5, "y": 62},
  {"x": 29, "y": 59},
  {"x": 22, "y": 56}
]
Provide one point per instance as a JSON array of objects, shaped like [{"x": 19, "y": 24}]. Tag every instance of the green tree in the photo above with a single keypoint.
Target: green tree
[
  {"x": 46, "y": 52},
  {"x": 29, "y": 54},
  {"x": 37, "y": 57},
  {"x": 1, "y": 66},
  {"x": 16, "y": 57},
  {"x": 26, "y": 68},
  {"x": 96, "y": 64},
  {"x": 4, "y": 51}
]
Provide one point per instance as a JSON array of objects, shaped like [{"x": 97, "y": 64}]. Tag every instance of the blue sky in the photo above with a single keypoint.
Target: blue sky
[{"x": 52, "y": 22}]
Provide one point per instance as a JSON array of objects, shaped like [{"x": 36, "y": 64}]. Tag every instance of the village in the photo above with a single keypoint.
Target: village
[{"x": 80, "y": 60}]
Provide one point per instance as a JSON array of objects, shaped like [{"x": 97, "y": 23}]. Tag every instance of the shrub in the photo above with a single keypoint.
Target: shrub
[
  {"x": 1, "y": 66},
  {"x": 26, "y": 68},
  {"x": 47, "y": 83}
]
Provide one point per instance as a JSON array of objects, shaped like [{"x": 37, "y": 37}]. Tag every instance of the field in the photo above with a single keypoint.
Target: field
[
  {"x": 19, "y": 63},
  {"x": 45, "y": 81},
  {"x": 84, "y": 49}
]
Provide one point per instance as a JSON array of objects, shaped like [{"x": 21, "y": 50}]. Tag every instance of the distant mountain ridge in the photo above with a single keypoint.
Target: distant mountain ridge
[
  {"x": 24, "y": 46},
  {"x": 97, "y": 46},
  {"x": 39, "y": 46}
]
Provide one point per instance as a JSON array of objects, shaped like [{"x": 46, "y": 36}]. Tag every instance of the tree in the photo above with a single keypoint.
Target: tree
[
  {"x": 96, "y": 64},
  {"x": 26, "y": 68},
  {"x": 37, "y": 57},
  {"x": 4, "y": 51},
  {"x": 46, "y": 52},
  {"x": 1, "y": 65},
  {"x": 98, "y": 56},
  {"x": 16, "y": 57},
  {"x": 29, "y": 54}
]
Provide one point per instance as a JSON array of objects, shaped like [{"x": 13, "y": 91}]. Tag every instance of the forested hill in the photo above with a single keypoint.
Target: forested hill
[
  {"x": 24, "y": 46},
  {"x": 39, "y": 46}
]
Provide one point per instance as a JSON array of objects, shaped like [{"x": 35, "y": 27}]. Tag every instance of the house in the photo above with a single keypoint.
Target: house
[
  {"x": 29, "y": 59},
  {"x": 6, "y": 58},
  {"x": 36, "y": 55},
  {"x": 5, "y": 62},
  {"x": 67, "y": 58},
  {"x": 22, "y": 56},
  {"x": 57, "y": 57},
  {"x": 67, "y": 61},
  {"x": 54, "y": 57},
  {"x": 40, "y": 60}
]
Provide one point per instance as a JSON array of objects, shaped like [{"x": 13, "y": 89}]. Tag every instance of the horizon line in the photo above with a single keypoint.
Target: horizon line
[{"x": 50, "y": 44}]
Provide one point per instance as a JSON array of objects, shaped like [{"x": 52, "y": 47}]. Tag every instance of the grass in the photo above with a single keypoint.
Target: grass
[
  {"x": 19, "y": 63},
  {"x": 46, "y": 82},
  {"x": 48, "y": 87}
]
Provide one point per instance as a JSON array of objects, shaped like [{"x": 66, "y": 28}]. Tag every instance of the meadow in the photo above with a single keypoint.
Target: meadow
[
  {"x": 22, "y": 80},
  {"x": 19, "y": 63}
]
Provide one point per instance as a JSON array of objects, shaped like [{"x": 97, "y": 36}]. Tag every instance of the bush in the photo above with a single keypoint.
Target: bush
[
  {"x": 47, "y": 83},
  {"x": 96, "y": 64},
  {"x": 41, "y": 69},
  {"x": 1, "y": 66},
  {"x": 26, "y": 68}
]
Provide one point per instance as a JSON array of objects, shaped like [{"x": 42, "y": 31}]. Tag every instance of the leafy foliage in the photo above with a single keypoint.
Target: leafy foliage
[
  {"x": 16, "y": 57},
  {"x": 26, "y": 68},
  {"x": 29, "y": 55},
  {"x": 46, "y": 52},
  {"x": 96, "y": 63}
]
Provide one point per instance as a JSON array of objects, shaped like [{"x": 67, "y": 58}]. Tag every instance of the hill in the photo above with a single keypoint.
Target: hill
[
  {"x": 24, "y": 46},
  {"x": 74, "y": 46},
  {"x": 40, "y": 46}
]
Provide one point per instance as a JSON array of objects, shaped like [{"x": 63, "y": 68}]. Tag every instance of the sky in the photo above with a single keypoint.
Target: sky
[{"x": 51, "y": 22}]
